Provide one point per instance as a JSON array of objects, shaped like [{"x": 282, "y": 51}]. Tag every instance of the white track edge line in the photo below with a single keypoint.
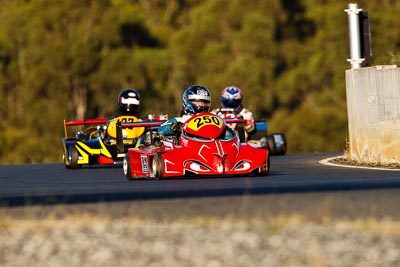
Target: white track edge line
[{"x": 326, "y": 162}]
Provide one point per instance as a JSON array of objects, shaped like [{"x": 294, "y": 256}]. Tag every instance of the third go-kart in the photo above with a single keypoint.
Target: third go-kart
[{"x": 276, "y": 142}]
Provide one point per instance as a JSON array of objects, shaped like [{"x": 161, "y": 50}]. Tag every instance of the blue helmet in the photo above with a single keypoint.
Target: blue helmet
[
  {"x": 196, "y": 99},
  {"x": 231, "y": 97}
]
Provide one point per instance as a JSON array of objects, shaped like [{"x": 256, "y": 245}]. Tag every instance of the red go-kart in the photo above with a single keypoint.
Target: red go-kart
[{"x": 205, "y": 146}]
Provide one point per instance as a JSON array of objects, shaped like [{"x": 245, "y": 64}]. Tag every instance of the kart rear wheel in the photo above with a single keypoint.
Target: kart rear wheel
[
  {"x": 280, "y": 143},
  {"x": 277, "y": 144},
  {"x": 271, "y": 145},
  {"x": 155, "y": 167},
  {"x": 126, "y": 165},
  {"x": 73, "y": 158}
]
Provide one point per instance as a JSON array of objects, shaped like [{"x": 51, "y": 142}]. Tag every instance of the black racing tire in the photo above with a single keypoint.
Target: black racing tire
[
  {"x": 127, "y": 167},
  {"x": 74, "y": 157},
  {"x": 267, "y": 166},
  {"x": 281, "y": 148},
  {"x": 156, "y": 170},
  {"x": 275, "y": 148},
  {"x": 65, "y": 156},
  {"x": 241, "y": 132},
  {"x": 271, "y": 145}
]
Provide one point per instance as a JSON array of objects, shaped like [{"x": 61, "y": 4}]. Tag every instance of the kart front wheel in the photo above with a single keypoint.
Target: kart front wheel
[
  {"x": 65, "y": 159},
  {"x": 267, "y": 165},
  {"x": 73, "y": 155},
  {"x": 126, "y": 165},
  {"x": 264, "y": 169},
  {"x": 155, "y": 167}
]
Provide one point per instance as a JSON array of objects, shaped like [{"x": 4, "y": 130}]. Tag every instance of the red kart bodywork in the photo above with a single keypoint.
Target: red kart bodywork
[{"x": 206, "y": 146}]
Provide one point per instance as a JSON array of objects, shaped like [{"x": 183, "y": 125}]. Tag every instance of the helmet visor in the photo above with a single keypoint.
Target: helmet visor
[
  {"x": 200, "y": 105},
  {"x": 231, "y": 103},
  {"x": 130, "y": 101}
]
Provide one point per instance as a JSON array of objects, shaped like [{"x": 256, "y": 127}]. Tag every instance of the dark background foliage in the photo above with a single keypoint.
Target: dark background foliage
[{"x": 69, "y": 59}]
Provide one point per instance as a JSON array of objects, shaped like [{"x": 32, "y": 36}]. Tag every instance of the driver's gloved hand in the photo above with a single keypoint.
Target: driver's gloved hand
[{"x": 176, "y": 127}]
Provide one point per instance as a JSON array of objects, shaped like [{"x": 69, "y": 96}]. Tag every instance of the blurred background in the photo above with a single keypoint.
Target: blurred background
[{"x": 69, "y": 60}]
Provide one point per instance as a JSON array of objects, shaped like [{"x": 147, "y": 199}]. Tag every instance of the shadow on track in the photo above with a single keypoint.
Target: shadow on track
[{"x": 228, "y": 186}]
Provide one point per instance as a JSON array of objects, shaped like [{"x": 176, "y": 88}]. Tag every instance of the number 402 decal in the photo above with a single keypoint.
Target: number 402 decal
[
  {"x": 125, "y": 119},
  {"x": 201, "y": 121}
]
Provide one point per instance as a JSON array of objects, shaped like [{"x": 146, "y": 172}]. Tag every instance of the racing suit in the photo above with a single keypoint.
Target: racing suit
[{"x": 129, "y": 135}]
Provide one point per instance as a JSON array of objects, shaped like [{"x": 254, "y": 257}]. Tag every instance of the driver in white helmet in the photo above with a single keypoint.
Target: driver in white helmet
[{"x": 195, "y": 99}]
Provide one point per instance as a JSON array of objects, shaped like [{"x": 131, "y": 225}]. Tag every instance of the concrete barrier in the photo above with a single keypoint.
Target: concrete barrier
[{"x": 373, "y": 108}]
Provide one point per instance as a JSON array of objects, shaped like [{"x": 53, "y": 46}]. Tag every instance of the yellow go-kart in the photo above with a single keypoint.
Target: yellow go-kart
[{"x": 103, "y": 141}]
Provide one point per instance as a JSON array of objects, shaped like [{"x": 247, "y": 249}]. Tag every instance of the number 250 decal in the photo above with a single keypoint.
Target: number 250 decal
[{"x": 201, "y": 121}]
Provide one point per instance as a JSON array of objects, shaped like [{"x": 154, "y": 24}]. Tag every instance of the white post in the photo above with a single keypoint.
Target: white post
[{"x": 354, "y": 34}]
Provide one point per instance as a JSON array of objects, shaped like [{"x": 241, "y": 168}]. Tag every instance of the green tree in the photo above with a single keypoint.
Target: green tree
[{"x": 69, "y": 60}]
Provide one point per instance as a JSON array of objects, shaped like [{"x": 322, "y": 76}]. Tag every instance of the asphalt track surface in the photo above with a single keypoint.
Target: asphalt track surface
[{"x": 297, "y": 184}]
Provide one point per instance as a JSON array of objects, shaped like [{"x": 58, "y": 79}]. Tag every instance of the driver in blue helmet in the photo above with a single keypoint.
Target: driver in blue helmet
[{"x": 195, "y": 99}]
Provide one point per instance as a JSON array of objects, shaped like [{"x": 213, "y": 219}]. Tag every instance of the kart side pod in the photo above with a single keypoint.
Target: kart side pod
[{"x": 141, "y": 164}]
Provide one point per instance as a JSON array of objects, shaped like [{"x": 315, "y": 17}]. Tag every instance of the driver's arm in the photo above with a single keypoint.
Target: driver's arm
[{"x": 165, "y": 128}]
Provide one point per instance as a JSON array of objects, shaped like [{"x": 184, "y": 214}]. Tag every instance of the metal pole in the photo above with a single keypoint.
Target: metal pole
[{"x": 354, "y": 34}]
